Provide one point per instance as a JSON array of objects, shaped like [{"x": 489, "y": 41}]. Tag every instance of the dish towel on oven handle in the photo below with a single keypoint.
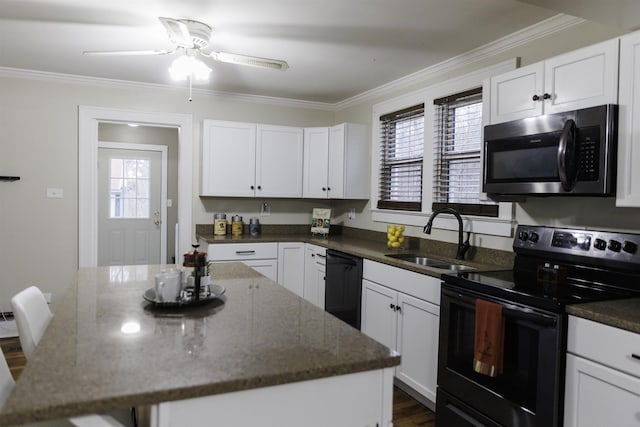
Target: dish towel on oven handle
[{"x": 488, "y": 348}]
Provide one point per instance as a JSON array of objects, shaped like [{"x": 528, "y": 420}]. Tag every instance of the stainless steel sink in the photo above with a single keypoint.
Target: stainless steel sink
[{"x": 430, "y": 262}]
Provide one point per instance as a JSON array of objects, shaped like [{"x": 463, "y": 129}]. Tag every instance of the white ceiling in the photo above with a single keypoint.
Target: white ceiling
[{"x": 335, "y": 48}]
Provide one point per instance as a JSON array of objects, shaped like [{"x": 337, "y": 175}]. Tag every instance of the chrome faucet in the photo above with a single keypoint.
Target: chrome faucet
[{"x": 462, "y": 247}]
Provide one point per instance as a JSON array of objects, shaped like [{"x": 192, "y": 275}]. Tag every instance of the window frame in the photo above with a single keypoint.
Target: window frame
[
  {"x": 502, "y": 225},
  {"x": 404, "y": 205}
]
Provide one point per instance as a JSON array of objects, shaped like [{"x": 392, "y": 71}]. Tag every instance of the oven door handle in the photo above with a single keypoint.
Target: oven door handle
[{"x": 508, "y": 310}]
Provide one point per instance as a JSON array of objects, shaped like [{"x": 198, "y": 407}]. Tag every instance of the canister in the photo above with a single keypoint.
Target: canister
[
  {"x": 254, "y": 227},
  {"x": 236, "y": 225},
  {"x": 220, "y": 224}
]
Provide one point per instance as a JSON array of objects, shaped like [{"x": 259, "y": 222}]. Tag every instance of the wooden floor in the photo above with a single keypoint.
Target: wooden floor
[{"x": 407, "y": 412}]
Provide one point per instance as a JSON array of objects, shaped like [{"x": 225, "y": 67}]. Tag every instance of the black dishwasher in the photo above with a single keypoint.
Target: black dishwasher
[{"x": 343, "y": 287}]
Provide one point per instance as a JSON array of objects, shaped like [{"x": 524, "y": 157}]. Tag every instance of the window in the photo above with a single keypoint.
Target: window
[
  {"x": 457, "y": 162},
  {"x": 129, "y": 188},
  {"x": 402, "y": 148}
]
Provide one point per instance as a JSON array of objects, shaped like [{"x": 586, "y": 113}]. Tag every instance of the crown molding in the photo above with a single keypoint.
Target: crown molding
[
  {"x": 542, "y": 29},
  {"x": 98, "y": 81}
]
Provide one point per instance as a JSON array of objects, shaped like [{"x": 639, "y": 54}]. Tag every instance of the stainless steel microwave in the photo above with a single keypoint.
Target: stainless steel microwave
[{"x": 570, "y": 153}]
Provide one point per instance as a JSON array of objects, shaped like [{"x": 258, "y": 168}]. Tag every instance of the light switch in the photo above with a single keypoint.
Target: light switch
[
  {"x": 55, "y": 193},
  {"x": 169, "y": 203}
]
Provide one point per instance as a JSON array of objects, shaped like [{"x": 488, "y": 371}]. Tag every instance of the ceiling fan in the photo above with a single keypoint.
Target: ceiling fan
[{"x": 191, "y": 37}]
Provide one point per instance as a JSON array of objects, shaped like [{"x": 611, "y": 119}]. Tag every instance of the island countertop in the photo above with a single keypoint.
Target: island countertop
[{"x": 258, "y": 334}]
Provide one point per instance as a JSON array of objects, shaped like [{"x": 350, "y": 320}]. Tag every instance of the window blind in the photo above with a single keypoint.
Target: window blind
[
  {"x": 401, "y": 153},
  {"x": 457, "y": 143}
]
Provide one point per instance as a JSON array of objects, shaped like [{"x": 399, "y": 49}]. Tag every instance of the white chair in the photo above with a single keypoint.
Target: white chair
[
  {"x": 7, "y": 383},
  {"x": 32, "y": 314}
]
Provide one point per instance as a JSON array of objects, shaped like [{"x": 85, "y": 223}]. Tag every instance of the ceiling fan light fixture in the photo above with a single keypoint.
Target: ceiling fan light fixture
[{"x": 186, "y": 66}]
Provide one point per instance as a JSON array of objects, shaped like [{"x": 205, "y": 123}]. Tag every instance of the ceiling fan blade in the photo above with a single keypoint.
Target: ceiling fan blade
[
  {"x": 127, "y": 52},
  {"x": 252, "y": 61},
  {"x": 178, "y": 31}
]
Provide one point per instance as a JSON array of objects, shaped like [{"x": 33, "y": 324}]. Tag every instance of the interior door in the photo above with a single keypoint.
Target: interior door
[{"x": 129, "y": 207}]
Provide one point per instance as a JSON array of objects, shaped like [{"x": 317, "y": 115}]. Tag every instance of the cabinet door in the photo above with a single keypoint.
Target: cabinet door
[
  {"x": 228, "y": 158},
  {"x": 596, "y": 395},
  {"x": 291, "y": 266},
  {"x": 418, "y": 326},
  {"x": 628, "y": 184},
  {"x": 512, "y": 94},
  {"x": 378, "y": 313},
  {"x": 582, "y": 78},
  {"x": 266, "y": 267},
  {"x": 336, "y": 171},
  {"x": 349, "y": 162},
  {"x": 314, "y": 274},
  {"x": 279, "y": 161},
  {"x": 316, "y": 162}
]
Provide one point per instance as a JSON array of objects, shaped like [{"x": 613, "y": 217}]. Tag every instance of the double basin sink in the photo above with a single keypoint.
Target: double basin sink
[{"x": 430, "y": 262}]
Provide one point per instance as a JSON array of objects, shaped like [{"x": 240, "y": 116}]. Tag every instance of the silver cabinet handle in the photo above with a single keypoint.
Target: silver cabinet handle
[
  {"x": 321, "y": 256},
  {"x": 245, "y": 252}
]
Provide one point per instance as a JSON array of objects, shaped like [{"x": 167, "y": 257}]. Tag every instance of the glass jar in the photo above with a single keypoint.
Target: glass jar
[
  {"x": 254, "y": 227},
  {"x": 220, "y": 224},
  {"x": 236, "y": 225}
]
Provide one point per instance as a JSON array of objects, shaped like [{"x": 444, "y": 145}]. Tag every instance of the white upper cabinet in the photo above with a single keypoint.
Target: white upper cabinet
[
  {"x": 579, "y": 79},
  {"x": 279, "y": 161},
  {"x": 628, "y": 183},
  {"x": 316, "y": 163},
  {"x": 336, "y": 162},
  {"x": 228, "y": 159},
  {"x": 249, "y": 160}
]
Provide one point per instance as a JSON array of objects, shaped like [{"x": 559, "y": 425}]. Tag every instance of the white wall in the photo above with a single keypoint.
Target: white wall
[{"x": 39, "y": 134}]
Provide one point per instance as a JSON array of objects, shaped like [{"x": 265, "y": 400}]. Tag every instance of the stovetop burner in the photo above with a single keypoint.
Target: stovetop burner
[{"x": 558, "y": 267}]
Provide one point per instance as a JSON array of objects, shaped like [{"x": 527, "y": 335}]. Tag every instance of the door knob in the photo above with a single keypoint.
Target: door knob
[{"x": 157, "y": 222}]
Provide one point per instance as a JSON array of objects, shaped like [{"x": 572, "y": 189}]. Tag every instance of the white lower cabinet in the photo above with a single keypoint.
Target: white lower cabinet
[
  {"x": 315, "y": 267},
  {"x": 291, "y": 266},
  {"x": 396, "y": 311},
  {"x": 262, "y": 257},
  {"x": 603, "y": 376}
]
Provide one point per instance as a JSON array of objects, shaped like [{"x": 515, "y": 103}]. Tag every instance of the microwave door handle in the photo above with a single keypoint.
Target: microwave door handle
[{"x": 568, "y": 131}]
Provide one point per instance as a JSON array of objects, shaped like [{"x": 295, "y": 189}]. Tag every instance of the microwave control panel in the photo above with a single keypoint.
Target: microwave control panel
[{"x": 589, "y": 153}]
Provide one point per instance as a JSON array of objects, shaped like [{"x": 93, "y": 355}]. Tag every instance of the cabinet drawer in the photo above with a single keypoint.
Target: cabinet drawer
[
  {"x": 604, "y": 344},
  {"x": 409, "y": 282},
  {"x": 242, "y": 251}
]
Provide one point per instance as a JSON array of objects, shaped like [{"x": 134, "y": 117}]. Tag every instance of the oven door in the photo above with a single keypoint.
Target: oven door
[{"x": 529, "y": 391}]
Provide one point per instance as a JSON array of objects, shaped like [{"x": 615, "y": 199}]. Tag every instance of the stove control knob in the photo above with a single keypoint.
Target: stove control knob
[
  {"x": 614, "y": 245},
  {"x": 533, "y": 236},
  {"x": 523, "y": 235},
  {"x": 600, "y": 244},
  {"x": 629, "y": 247}
]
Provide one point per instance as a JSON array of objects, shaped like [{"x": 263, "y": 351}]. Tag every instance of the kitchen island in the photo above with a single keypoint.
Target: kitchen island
[{"x": 259, "y": 355}]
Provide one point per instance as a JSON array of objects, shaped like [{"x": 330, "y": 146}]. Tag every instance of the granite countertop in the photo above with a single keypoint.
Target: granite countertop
[
  {"x": 258, "y": 334},
  {"x": 623, "y": 314},
  {"x": 375, "y": 249}
]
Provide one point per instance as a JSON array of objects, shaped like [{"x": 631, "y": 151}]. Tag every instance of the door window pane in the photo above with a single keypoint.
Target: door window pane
[{"x": 129, "y": 188}]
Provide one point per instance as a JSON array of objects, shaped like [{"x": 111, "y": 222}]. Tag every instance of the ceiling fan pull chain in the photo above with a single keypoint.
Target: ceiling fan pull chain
[{"x": 190, "y": 80}]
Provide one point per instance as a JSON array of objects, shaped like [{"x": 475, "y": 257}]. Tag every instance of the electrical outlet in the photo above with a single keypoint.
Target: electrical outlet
[
  {"x": 265, "y": 209},
  {"x": 351, "y": 214},
  {"x": 55, "y": 193}
]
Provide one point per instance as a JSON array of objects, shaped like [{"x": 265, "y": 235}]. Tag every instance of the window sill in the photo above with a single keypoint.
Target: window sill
[{"x": 475, "y": 224}]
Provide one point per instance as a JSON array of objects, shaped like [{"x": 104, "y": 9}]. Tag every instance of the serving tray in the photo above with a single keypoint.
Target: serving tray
[{"x": 216, "y": 291}]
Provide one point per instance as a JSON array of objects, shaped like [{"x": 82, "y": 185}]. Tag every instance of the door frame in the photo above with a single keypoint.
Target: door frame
[
  {"x": 88, "y": 119},
  {"x": 163, "y": 149}
]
